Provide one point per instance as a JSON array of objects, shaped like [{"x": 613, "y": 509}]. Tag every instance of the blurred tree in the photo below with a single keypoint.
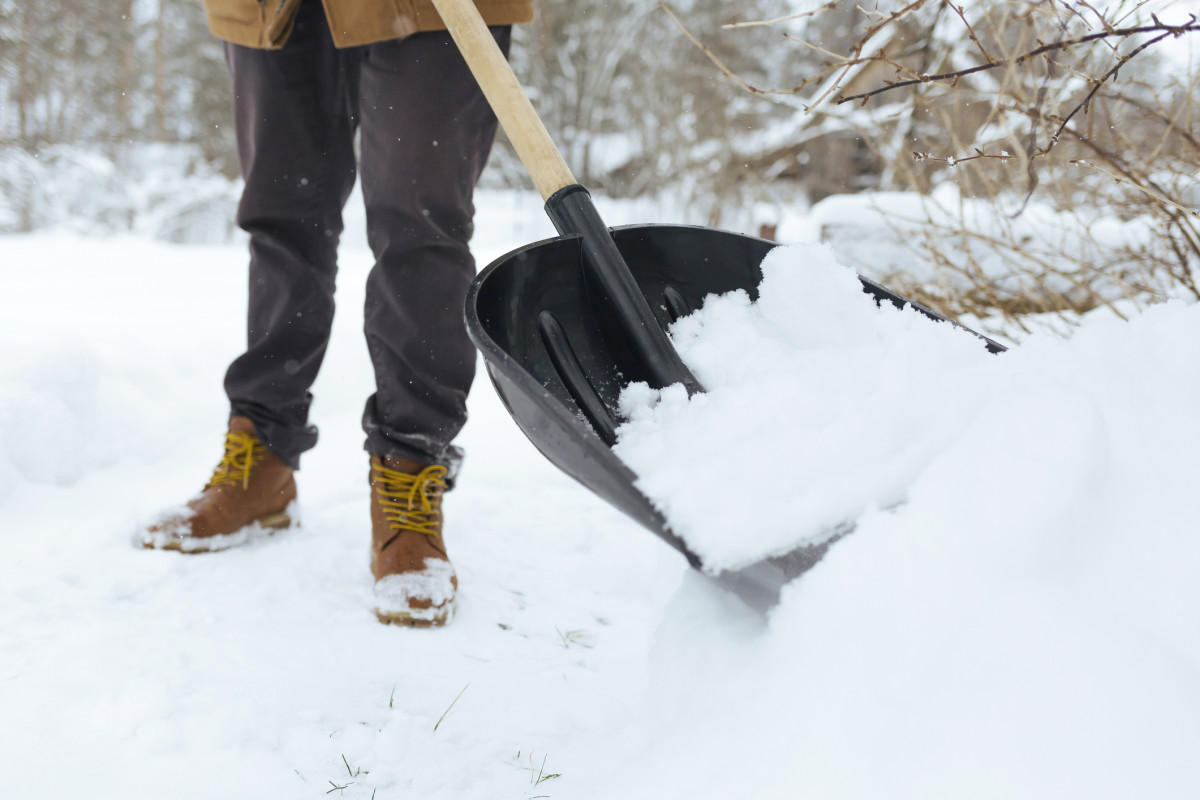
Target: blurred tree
[
  {"x": 111, "y": 74},
  {"x": 634, "y": 106}
]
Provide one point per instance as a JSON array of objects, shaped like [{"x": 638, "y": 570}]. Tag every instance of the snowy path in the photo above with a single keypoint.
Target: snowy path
[{"x": 252, "y": 673}]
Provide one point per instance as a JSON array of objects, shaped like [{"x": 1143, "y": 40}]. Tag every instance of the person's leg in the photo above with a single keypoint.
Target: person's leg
[
  {"x": 295, "y": 116},
  {"x": 426, "y": 134}
]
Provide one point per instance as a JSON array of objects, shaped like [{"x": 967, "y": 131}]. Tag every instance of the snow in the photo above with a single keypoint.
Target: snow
[
  {"x": 819, "y": 407},
  {"x": 432, "y": 583},
  {"x": 1020, "y": 620},
  {"x": 171, "y": 529},
  {"x": 1023, "y": 623},
  {"x": 874, "y": 233},
  {"x": 132, "y": 673},
  {"x": 161, "y": 191}
]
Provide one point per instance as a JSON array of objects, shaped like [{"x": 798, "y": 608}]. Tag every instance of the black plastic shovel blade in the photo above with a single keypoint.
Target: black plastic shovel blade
[{"x": 550, "y": 351}]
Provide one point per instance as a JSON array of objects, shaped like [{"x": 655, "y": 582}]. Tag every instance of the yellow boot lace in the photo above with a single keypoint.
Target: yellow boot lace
[
  {"x": 243, "y": 452},
  {"x": 411, "y": 502}
]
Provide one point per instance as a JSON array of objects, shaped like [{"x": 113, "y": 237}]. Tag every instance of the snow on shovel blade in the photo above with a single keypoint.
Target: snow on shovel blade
[{"x": 556, "y": 361}]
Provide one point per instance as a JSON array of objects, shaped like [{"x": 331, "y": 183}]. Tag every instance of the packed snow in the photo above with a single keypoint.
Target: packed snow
[{"x": 1016, "y": 614}]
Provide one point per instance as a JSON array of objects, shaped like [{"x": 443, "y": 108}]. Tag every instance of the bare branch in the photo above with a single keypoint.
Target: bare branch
[
  {"x": 954, "y": 161},
  {"x": 1182, "y": 130},
  {"x": 1046, "y": 61},
  {"x": 1134, "y": 185},
  {"x": 1165, "y": 30},
  {"x": 726, "y": 71},
  {"x": 1101, "y": 18},
  {"x": 832, "y": 4},
  {"x": 971, "y": 32},
  {"x": 857, "y": 59},
  {"x": 1097, "y": 83}
]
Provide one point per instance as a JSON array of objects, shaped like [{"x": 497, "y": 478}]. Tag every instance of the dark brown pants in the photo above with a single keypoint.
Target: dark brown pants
[{"x": 426, "y": 133}]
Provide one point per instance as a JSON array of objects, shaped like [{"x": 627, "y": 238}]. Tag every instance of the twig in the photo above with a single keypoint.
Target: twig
[
  {"x": 971, "y": 32},
  {"x": 1125, "y": 173},
  {"x": 1170, "y": 124},
  {"x": 1134, "y": 185},
  {"x": 1099, "y": 16},
  {"x": 858, "y": 48},
  {"x": 1100, "y": 82},
  {"x": 757, "y": 23},
  {"x": 842, "y": 60},
  {"x": 726, "y": 71},
  {"x": 1165, "y": 30},
  {"x": 954, "y": 161}
]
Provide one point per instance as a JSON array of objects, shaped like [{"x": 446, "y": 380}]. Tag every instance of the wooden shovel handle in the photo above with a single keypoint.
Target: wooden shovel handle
[{"x": 504, "y": 93}]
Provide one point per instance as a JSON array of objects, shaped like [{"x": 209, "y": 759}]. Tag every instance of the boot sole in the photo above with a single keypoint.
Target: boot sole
[{"x": 409, "y": 621}]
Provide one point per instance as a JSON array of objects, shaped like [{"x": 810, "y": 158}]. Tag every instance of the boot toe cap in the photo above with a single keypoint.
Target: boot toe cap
[
  {"x": 167, "y": 531},
  {"x": 420, "y": 598}
]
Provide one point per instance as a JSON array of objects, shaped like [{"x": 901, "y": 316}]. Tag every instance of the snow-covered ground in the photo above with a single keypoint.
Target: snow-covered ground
[{"x": 1025, "y": 624}]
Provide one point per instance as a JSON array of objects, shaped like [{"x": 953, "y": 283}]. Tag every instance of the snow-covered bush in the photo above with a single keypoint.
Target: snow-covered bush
[
  {"x": 959, "y": 255},
  {"x": 166, "y": 192}
]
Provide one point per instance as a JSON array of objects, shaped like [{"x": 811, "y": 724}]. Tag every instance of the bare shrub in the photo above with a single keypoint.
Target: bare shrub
[{"x": 1052, "y": 143}]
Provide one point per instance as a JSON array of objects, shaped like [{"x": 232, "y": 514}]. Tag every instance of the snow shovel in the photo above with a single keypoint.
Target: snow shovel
[{"x": 565, "y": 323}]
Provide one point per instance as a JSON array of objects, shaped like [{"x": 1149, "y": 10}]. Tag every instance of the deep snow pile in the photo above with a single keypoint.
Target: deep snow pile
[{"x": 1025, "y": 624}]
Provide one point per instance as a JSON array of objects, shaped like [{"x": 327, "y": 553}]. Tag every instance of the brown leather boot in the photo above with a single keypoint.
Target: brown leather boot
[
  {"x": 415, "y": 583},
  {"x": 250, "y": 495}
]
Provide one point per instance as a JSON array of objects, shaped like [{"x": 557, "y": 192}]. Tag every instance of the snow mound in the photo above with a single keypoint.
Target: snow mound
[
  {"x": 820, "y": 406},
  {"x": 1025, "y": 624}
]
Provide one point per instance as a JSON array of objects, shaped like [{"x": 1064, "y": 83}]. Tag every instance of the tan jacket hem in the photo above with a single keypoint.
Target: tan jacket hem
[{"x": 252, "y": 28}]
